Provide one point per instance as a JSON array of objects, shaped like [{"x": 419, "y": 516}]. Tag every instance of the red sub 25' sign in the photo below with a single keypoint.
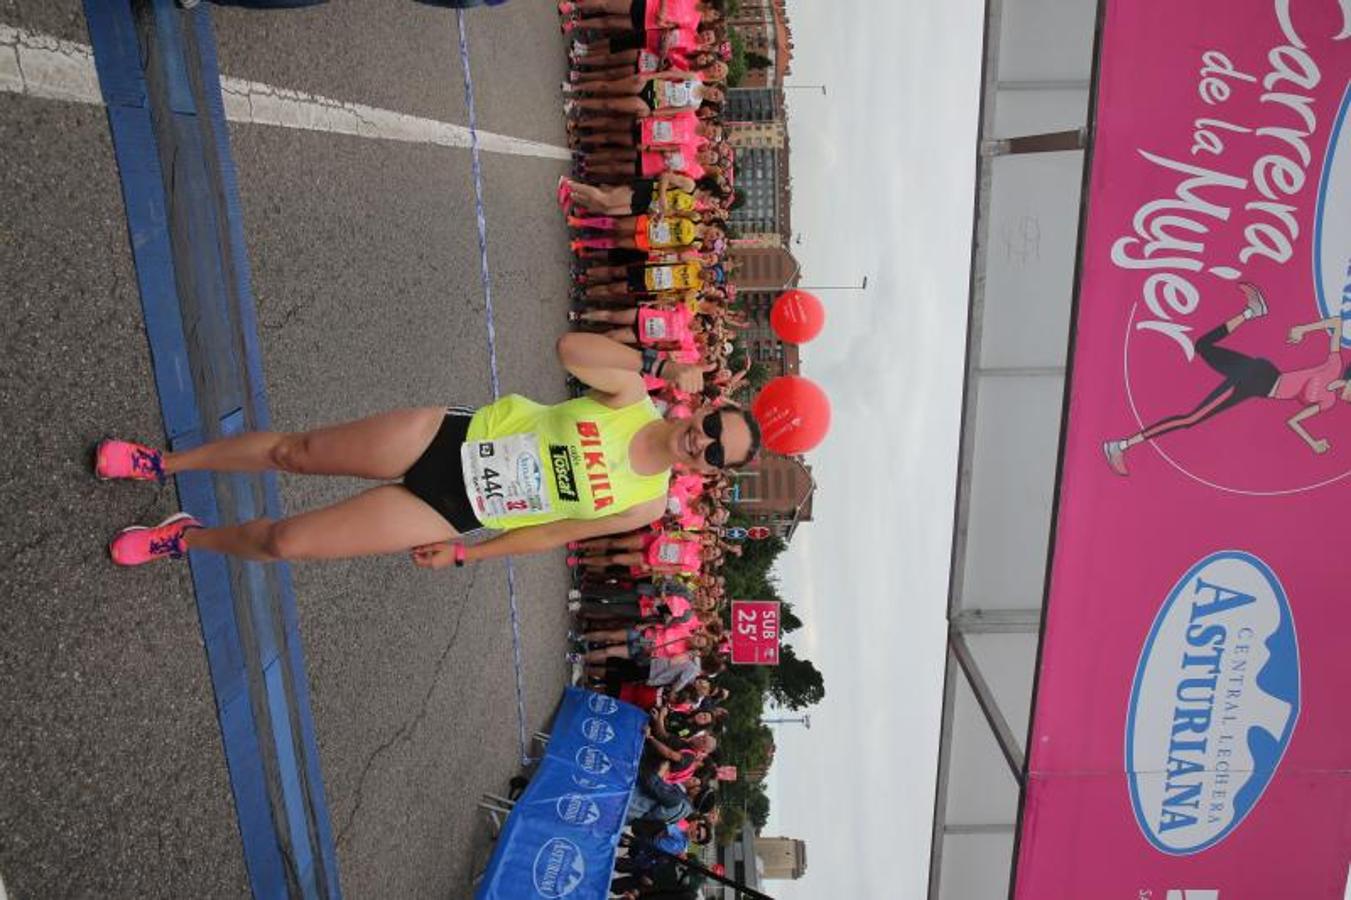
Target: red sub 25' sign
[{"x": 755, "y": 632}]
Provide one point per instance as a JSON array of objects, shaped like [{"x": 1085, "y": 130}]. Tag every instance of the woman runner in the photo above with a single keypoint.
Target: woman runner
[
  {"x": 527, "y": 477},
  {"x": 1316, "y": 389}
]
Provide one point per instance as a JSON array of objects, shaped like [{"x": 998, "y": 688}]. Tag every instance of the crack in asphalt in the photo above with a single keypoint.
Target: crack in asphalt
[{"x": 405, "y": 731}]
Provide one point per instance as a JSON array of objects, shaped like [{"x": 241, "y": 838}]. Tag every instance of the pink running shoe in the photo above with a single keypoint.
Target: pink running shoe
[
  {"x": 573, "y": 562},
  {"x": 124, "y": 459},
  {"x": 138, "y": 545},
  {"x": 1116, "y": 457}
]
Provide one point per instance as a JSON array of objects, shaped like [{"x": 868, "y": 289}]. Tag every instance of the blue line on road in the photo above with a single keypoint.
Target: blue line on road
[
  {"x": 480, "y": 214},
  {"x": 162, "y": 88}
]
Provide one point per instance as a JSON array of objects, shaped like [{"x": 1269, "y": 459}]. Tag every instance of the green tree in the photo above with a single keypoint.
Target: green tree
[
  {"x": 757, "y": 60},
  {"x": 757, "y": 807},
  {"x": 736, "y": 66},
  {"x": 795, "y": 683}
]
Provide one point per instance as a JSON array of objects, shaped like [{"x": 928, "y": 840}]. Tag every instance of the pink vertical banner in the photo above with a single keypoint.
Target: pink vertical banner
[{"x": 1191, "y": 738}]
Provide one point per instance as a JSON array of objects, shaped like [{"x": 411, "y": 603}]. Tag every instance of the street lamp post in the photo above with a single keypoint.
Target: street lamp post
[
  {"x": 863, "y": 286},
  {"x": 806, "y": 87},
  {"x": 805, "y": 721}
]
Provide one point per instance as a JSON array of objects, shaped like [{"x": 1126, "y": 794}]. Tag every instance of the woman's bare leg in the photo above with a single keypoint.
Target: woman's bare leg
[
  {"x": 606, "y": 635},
  {"x": 630, "y": 105},
  {"x": 385, "y": 519},
  {"x": 611, "y": 317},
  {"x": 627, "y": 85},
  {"x": 383, "y": 446},
  {"x": 609, "y": 24},
  {"x": 605, "y": 139},
  {"x": 609, "y": 73},
  {"x": 603, "y": 7},
  {"x": 604, "y": 653}
]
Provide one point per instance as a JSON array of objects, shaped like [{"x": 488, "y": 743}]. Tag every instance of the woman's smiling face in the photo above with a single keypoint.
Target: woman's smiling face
[{"x": 726, "y": 433}]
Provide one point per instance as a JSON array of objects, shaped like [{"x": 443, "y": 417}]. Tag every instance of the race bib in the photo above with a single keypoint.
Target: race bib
[
  {"x": 669, "y": 554},
  {"x": 675, "y": 161},
  {"x": 661, "y": 279},
  {"x": 659, "y": 232},
  {"x": 648, "y": 62},
  {"x": 677, "y": 94},
  {"x": 654, "y": 327},
  {"x": 662, "y": 132},
  {"x": 504, "y": 477}
]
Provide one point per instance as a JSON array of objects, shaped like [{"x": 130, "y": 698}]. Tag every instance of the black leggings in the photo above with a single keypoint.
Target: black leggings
[
  {"x": 618, "y": 608},
  {"x": 1244, "y": 377}
]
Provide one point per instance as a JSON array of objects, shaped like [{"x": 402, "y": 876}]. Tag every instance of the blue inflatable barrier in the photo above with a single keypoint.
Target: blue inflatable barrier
[{"x": 560, "y": 839}]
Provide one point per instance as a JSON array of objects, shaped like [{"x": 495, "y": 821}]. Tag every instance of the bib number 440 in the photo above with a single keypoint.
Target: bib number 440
[{"x": 492, "y": 490}]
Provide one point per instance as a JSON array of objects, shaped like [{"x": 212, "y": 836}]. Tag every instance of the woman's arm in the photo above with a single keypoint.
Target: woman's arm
[
  {"x": 662, "y": 750},
  {"x": 1333, "y": 323},
  {"x": 663, "y": 183},
  {"x": 605, "y": 365},
  {"x": 1317, "y": 445},
  {"x": 538, "y": 538}
]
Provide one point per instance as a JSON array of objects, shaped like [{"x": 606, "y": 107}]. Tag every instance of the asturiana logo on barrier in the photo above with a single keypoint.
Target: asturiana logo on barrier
[
  {"x": 593, "y": 760},
  {"x": 598, "y": 731},
  {"x": 589, "y": 784},
  {"x": 602, "y": 705},
  {"x": 576, "y": 809},
  {"x": 1214, "y": 702},
  {"x": 559, "y": 868}
]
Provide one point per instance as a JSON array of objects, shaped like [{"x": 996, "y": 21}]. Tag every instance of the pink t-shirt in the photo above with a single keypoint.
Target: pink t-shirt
[
  {"x": 670, "y": 131},
  {"x": 663, "y": 326},
  {"x": 692, "y": 521},
  {"x": 670, "y": 640},
  {"x": 681, "y": 40},
  {"x": 666, "y": 552},
  {"x": 1310, "y": 386},
  {"x": 681, "y": 157},
  {"x": 687, "y": 487},
  {"x": 683, "y": 13}
]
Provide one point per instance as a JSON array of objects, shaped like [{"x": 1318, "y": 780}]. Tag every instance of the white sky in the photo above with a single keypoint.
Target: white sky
[{"x": 882, "y": 186}]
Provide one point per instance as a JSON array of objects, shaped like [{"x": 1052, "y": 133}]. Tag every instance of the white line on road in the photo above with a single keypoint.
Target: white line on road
[{"x": 39, "y": 65}]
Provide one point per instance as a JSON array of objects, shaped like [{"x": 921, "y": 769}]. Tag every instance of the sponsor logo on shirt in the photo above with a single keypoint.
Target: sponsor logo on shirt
[
  {"x": 597, "y": 468},
  {"x": 1214, "y": 703},
  {"x": 564, "y": 479}
]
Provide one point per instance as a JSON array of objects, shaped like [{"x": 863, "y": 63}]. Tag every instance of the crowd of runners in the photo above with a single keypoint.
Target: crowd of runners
[{"x": 647, "y": 206}]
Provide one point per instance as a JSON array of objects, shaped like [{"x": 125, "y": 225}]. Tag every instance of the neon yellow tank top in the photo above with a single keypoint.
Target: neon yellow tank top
[
  {"x": 677, "y": 277},
  {"x": 667, "y": 233},
  {"x": 526, "y": 463},
  {"x": 676, "y": 200}
]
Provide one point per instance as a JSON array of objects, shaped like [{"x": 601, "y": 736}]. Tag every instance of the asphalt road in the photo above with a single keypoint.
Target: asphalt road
[{"x": 367, "y": 281}]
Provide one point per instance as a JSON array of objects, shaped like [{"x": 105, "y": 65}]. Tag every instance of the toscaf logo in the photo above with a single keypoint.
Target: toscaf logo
[
  {"x": 559, "y": 868},
  {"x": 575, "y": 809},
  {"x": 1214, "y": 702}
]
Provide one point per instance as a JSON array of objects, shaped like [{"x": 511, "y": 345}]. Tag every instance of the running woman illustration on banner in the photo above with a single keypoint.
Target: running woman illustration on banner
[{"x": 1315, "y": 389}]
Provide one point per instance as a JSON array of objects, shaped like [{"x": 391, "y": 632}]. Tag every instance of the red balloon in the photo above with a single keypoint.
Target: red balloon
[
  {"x": 794, "y": 414},
  {"x": 797, "y": 316}
]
